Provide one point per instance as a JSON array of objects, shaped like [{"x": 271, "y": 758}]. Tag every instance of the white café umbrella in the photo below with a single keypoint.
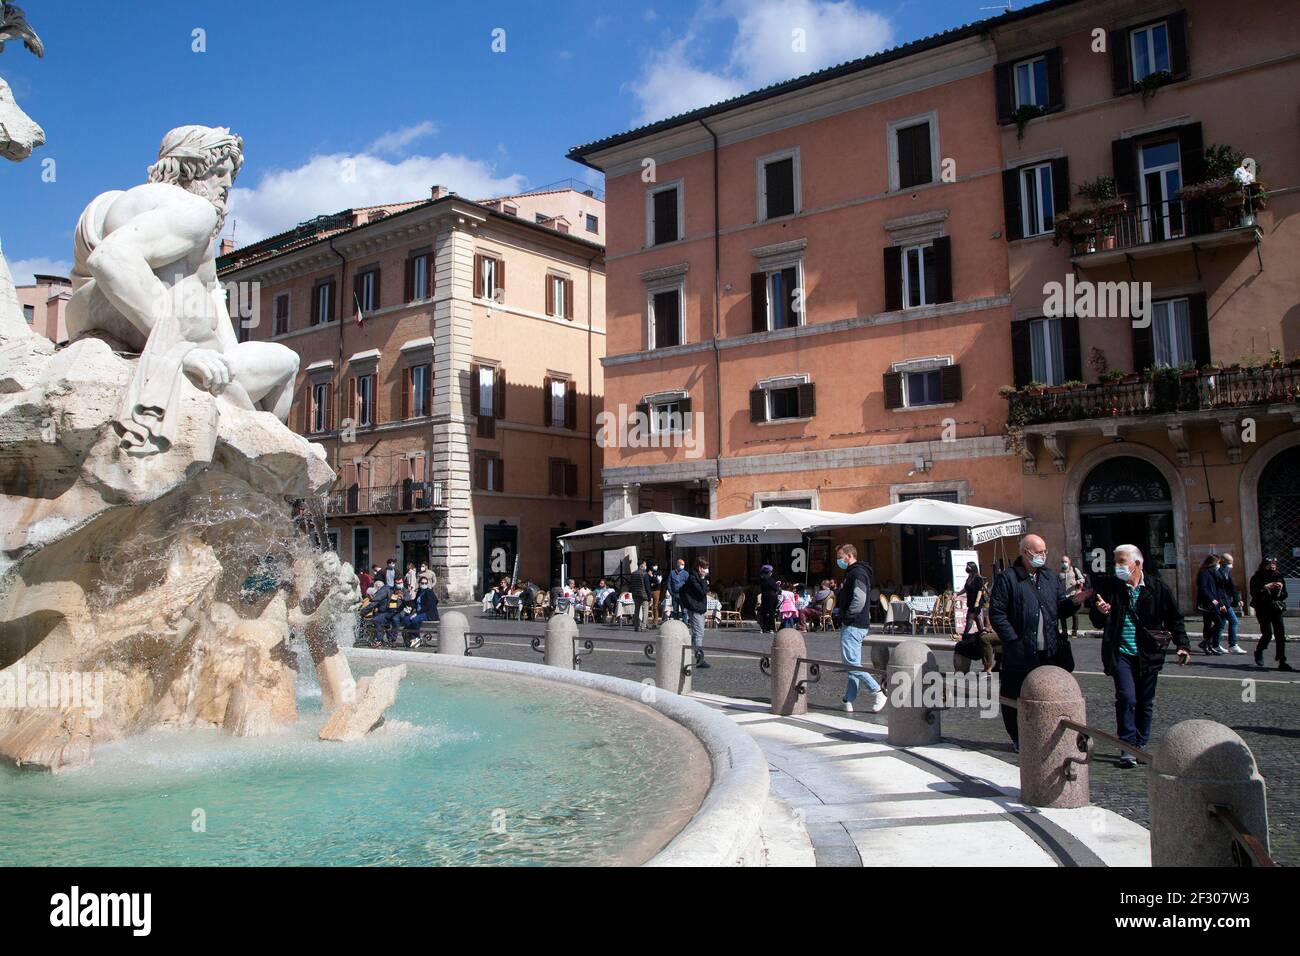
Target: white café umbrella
[
  {"x": 628, "y": 532},
  {"x": 779, "y": 524},
  {"x": 985, "y": 524}
]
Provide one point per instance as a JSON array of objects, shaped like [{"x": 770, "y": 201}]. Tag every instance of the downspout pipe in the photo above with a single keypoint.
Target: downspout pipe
[{"x": 717, "y": 313}]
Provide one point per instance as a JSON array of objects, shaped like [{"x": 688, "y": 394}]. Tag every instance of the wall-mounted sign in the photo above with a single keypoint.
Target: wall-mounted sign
[
  {"x": 991, "y": 532},
  {"x": 709, "y": 539}
]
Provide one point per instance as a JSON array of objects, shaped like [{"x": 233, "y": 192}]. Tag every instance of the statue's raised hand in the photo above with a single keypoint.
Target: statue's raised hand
[{"x": 210, "y": 368}]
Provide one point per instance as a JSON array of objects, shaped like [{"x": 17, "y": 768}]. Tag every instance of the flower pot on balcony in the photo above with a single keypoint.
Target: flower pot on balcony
[{"x": 1108, "y": 242}]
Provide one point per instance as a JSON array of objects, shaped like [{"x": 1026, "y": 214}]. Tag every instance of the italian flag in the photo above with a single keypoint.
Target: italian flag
[{"x": 357, "y": 313}]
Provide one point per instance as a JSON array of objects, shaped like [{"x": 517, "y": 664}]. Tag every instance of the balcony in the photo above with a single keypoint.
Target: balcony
[
  {"x": 406, "y": 498},
  {"x": 1122, "y": 232},
  {"x": 1165, "y": 399}
]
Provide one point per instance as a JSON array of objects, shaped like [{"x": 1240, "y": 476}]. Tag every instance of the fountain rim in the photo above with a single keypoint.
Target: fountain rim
[{"x": 727, "y": 820}]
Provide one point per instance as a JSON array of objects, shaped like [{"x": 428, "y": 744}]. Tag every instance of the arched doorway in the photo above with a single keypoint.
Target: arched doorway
[
  {"x": 1126, "y": 500},
  {"x": 1279, "y": 512}
]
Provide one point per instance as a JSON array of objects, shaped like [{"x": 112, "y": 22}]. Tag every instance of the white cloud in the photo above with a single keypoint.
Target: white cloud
[
  {"x": 765, "y": 49},
  {"x": 24, "y": 271},
  {"x": 328, "y": 183},
  {"x": 395, "y": 141}
]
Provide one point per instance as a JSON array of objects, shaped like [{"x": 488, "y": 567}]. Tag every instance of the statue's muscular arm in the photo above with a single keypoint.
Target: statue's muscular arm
[{"x": 123, "y": 263}]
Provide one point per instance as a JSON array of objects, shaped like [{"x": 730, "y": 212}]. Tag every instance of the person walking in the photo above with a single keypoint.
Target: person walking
[
  {"x": 1268, "y": 597},
  {"x": 638, "y": 585},
  {"x": 676, "y": 578},
  {"x": 973, "y": 590},
  {"x": 1073, "y": 581},
  {"x": 769, "y": 597},
  {"x": 854, "y": 598},
  {"x": 1139, "y": 618},
  {"x": 1025, "y": 606},
  {"x": 390, "y": 573},
  {"x": 1232, "y": 599},
  {"x": 1210, "y": 602},
  {"x": 694, "y": 596}
]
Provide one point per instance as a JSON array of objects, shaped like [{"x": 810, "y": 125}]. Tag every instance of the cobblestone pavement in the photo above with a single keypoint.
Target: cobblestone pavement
[{"x": 1262, "y": 705}]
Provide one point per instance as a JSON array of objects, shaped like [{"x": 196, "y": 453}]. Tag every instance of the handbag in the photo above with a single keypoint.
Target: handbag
[
  {"x": 1161, "y": 637},
  {"x": 1064, "y": 655}
]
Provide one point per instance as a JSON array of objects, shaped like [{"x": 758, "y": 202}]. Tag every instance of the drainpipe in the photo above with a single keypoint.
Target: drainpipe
[
  {"x": 338, "y": 384},
  {"x": 591, "y": 402},
  {"x": 717, "y": 313}
]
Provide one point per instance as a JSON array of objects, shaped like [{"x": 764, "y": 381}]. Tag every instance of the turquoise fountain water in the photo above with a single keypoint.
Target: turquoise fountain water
[{"x": 471, "y": 769}]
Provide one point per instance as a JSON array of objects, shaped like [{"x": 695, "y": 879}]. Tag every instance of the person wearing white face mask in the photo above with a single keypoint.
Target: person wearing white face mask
[
  {"x": 1025, "y": 606},
  {"x": 1140, "y": 619},
  {"x": 1233, "y": 601}
]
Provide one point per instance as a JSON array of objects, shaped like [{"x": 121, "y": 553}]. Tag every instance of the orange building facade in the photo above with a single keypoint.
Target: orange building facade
[{"x": 459, "y": 413}]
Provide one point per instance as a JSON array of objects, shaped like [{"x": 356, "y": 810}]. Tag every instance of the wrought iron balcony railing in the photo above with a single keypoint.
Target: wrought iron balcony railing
[
  {"x": 1144, "y": 224},
  {"x": 388, "y": 499},
  {"x": 1162, "y": 393}
]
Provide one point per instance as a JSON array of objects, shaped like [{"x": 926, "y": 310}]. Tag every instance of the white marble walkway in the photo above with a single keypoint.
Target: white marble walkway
[{"x": 841, "y": 796}]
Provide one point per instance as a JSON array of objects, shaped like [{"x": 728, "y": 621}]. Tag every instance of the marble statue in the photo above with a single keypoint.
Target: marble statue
[{"x": 147, "y": 544}]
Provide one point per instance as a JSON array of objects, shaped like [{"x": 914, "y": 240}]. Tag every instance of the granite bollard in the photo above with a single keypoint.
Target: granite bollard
[
  {"x": 561, "y": 631},
  {"x": 1197, "y": 764},
  {"x": 672, "y": 665},
  {"x": 452, "y": 628},
  {"x": 787, "y": 647},
  {"x": 1053, "y": 771},
  {"x": 911, "y": 724}
]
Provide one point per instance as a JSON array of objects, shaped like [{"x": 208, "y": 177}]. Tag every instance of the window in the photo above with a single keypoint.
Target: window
[
  {"x": 281, "y": 317},
  {"x": 782, "y": 400},
  {"x": 922, "y": 382},
  {"x": 593, "y": 223},
  {"x": 510, "y": 210},
  {"x": 1149, "y": 48},
  {"x": 417, "y": 391},
  {"x": 419, "y": 277},
  {"x": 559, "y": 296},
  {"x": 489, "y": 278},
  {"x": 666, "y": 417},
  {"x": 913, "y": 147},
  {"x": 1047, "y": 362},
  {"x": 1171, "y": 329},
  {"x": 361, "y": 549},
  {"x": 489, "y": 473},
  {"x": 666, "y": 319},
  {"x": 322, "y": 310},
  {"x": 29, "y": 313},
  {"x": 320, "y": 406},
  {"x": 783, "y": 298},
  {"x": 559, "y": 397},
  {"x": 1030, "y": 78},
  {"x": 367, "y": 290},
  {"x": 1037, "y": 200},
  {"x": 778, "y": 185},
  {"x": 919, "y": 275},
  {"x": 664, "y": 214},
  {"x": 541, "y": 219},
  {"x": 563, "y": 477},
  {"x": 363, "y": 399},
  {"x": 1160, "y": 177},
  {"x": 486, "y": 390}
]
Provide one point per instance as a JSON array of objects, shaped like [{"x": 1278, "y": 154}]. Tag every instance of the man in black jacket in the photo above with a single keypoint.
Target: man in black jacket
[
  {"x": 1139, "y": 615},
  {"x": 638, "y": 583},
  {"x": 854, "y": 601},
  {"x": 694, "y": 597},
  {"x": 424, "y": 607},
  {"x": 1025, "y": 606}
]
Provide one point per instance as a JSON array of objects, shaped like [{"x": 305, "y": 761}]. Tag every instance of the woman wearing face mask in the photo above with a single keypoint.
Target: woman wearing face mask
[
  {"x": 973, "y": 590},
  {"x": 1210, "y": 601},
  {"x": 1073, "y": 581},
  {"x": 1139, "y": 619},
  {"x": 1268, "y": 598}
]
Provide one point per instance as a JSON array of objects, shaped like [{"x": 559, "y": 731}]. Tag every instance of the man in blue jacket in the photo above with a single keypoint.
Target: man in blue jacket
[
  {"x": 1025, "y": 605},
  {"x": 676, "y": 578}
]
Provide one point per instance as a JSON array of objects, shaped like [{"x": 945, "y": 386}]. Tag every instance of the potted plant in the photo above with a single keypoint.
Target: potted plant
[
  {"x": 1072, "y": 385},
  {"x": 1112, "y": 376},
  {"x": 1022, "y": 116},
  {"x": 1148, "y": 85},
  {"x": 1007, "y": 391}
]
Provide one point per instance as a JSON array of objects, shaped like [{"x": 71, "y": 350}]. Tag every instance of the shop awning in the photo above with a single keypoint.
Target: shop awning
[
  {"x": 984, "y": 524},
  {"x": 628, "y": 532},
  {"x": 778, "y": 524}
]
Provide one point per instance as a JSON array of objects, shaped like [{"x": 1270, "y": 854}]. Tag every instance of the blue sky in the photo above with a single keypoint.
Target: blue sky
[{"x": 344, "y": 104}]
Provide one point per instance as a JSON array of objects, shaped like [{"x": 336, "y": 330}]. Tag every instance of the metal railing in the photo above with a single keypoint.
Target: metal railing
[
  {"x": 1146, "y": 223},
  {"x": 388, "y": 499},
  {"x": 1164, "y": 393}
]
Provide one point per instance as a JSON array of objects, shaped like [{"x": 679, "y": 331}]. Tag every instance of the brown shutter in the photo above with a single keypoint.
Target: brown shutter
[
  {"x": 571, "y": 405},
  {"x": 893, "y": 389},
  {"x": 430, "y": 273},
  {"x": 480, "y": 473},
  {"x": 304, "y": 419},
  {"x": 408, "y": 286},
  {"x": 1121, "y": 77},
  {"x": 1198, "y": 320},
  {"x": 643, "y": 412},
  {"x": 473, "y": 390},
  {"x": 757, "y": 405},
  {"x": 500, "y": 482},
  {"x": 570, "y": 479},
  {"x": 807, "y": 400},
  {"x": 893, "y": 278},
  {"x": 478, "y": 276},
  {"x": 1003, "y": 92},
  {"x": 357, "y": 298},
  {"x": 1124, "y": 159},
  {"x": 406, "y": 391},
  {"x": 1055, "y": 87},
  {"x": 684, "y": 406},
  {"x": 546, "y": 402},
  {"x": 950, "y": 383},
  {"x": 1144, "y": 352},
  {"x": 428, "y": 389},
  {"x": 568, "y": 298},
  {"x": 501, "y": 274},
  {"x": 554, "y": 476},
  {"x": 942, "y": 247},
  {"x": 499, "y": 394},
  {"x": 550, "y": 295},
  {"x": 377, "y": 304},
  {"x": 1060, "y": 185},
  {"x": 758, "y": 300},
  {"x": 352, "y": 398},
  {"x": 329, "y": 407},
  {"x": 1015, "y": 227},
  {"x": 1022, "y": 364},
  {"x": 1177, "y": 24},
  {"x": 1191, "y": 152},
  {"x": 1071, "y": 353}
]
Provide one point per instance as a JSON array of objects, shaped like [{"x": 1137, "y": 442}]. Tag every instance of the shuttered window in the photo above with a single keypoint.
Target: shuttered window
[
  {"x": 914, "y": 159},
  {"x": 664, "y": 224},
  {"x": 281, "y": 325},
  {"x": 782, "y": 402},
  {"x": 922, "y": 385},
  {"x": 322, "y": 303},
  {"x": 666, "y": 319},
  {"x": 778, "y": 188}
]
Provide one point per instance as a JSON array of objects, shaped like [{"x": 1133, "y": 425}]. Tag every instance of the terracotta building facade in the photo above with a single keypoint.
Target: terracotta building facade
[{"x": 459, "y": 412}]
